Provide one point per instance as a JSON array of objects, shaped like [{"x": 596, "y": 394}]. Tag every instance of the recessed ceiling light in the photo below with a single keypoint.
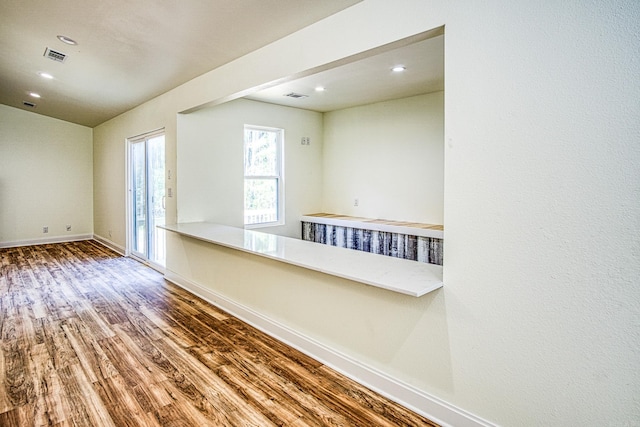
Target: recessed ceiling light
[
  {"x": 67, "y": 40},
  {"x": 398, "y": 69},
  {"x": 46, "y": 75},
  {"x": 35, "y": 95},
  {"x": 320, "y": 89}
]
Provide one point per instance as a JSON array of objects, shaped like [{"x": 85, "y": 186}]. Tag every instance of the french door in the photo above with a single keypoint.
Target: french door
[{"x": 147, "y": 198}]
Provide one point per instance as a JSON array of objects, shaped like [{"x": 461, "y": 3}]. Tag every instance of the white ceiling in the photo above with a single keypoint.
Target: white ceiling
[
  {"x": 131, "y": 51},
  {"x": 367, "y": 80}
]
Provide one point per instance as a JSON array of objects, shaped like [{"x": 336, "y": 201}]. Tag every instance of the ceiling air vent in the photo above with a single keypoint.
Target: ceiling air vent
[
  {"x": 28, "y": 104},
  {"x": 56, "y": 56},
  {"x": 296, "y": 95}
]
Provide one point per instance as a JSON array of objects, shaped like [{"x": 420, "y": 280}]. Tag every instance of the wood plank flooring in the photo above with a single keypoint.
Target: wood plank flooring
[{"x": 90, "y": 338}]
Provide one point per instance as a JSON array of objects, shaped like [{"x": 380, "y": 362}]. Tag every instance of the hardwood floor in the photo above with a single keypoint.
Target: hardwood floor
[{"x": 90, "y": 338}]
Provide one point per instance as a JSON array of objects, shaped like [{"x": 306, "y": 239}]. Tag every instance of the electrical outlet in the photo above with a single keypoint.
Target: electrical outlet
[
  {"x": 356, "y": 202},
  {"x": 305, "y": 140},
  {"x": 68, "y": 227},
  {"x": 45, "y": 229}
]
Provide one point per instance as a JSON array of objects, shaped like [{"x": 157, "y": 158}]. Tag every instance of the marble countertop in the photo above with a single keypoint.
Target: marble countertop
[
  {"x": 402, "y": 227},
  {"x": 394, "y": 274}
]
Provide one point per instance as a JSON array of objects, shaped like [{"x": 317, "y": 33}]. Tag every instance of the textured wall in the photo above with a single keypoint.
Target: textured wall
[
  {"x": 538, "y": 320},
  {"x": 45, "y": 177},
  {"x": 388, "y": 155}
]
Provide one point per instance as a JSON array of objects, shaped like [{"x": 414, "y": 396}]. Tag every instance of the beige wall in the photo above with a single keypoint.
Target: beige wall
[
  {"x": 210, "y": 152},
  {"x": 45, "y": 178},
  {"x": 109, "y": 161},
  {"x": 388, "y": 155},
  {"x": 537, "y": 322}
]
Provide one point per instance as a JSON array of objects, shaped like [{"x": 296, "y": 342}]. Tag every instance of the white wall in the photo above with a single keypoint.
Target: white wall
[
  {"x": 210, "y": 160},
  {"x": 537, "y": 323},
  {"x": 388, "y": 155},
  {"x": 542, "y": 209},
  {"x": 45, "y": 178}
]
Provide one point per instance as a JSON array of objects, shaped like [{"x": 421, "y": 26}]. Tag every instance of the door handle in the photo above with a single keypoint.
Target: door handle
[{"x": 163, "y": 200}]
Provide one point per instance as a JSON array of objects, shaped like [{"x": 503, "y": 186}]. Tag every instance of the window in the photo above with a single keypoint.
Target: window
[{"x": 263, "y": 183}]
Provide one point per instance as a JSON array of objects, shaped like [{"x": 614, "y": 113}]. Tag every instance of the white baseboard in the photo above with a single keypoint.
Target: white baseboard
[
  {"x": 408, "y": 396},
  {"x": 108, "y": 243},
  {"x": 47, "y": 240}
]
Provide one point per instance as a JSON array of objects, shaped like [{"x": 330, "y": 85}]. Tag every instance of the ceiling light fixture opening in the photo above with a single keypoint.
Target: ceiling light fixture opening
[
  {"x": 67, "y": 40},
  {"x": 398, "y": 68},
  {"x": 46, "y": 76},
  {"x": 320, "y": 89},
  {"x": 35, "y": 95}
]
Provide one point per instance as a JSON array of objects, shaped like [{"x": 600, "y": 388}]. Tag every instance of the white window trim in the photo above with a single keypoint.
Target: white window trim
[{"x": 280, "y": 178}]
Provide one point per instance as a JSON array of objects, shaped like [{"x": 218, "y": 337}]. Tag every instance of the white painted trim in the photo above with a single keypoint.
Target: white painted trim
[
  {"x": 56, "y": 239},
  {"x": 108, "y": 243},
  {"x": 280, "y": 176},
  {"x": 418, "y": 401},
  {"x": 157, "y": 267},
  {"x": 119, "y": 249},
  {"x": 127, "y": 191}
]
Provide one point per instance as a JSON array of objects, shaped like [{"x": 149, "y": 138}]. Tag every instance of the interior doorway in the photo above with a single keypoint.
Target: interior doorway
[{"x": 146, "y": 204}]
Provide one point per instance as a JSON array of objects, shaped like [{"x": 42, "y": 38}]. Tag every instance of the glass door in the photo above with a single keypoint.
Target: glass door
[{"x": 147, "y": 198}]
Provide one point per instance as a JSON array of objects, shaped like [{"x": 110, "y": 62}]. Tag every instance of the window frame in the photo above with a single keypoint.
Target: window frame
[{"x": 280, "y": 220}]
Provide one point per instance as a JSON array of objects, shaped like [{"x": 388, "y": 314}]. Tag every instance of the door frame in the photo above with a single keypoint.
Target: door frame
[{"x": 129, "y": 190}]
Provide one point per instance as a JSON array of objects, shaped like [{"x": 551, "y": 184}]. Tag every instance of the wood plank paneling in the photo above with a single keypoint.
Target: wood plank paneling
[
  {"x": 90, "y": 338},
  {"x": 407, "y": 246}
]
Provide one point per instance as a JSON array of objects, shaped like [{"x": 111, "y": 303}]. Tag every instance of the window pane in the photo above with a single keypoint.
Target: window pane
[
  {"x": 156, "y": 160},
  {"x": 138, "y": 181},
  {"x": 260, "y": 200},
  {"x": 260, "y": 152}
]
